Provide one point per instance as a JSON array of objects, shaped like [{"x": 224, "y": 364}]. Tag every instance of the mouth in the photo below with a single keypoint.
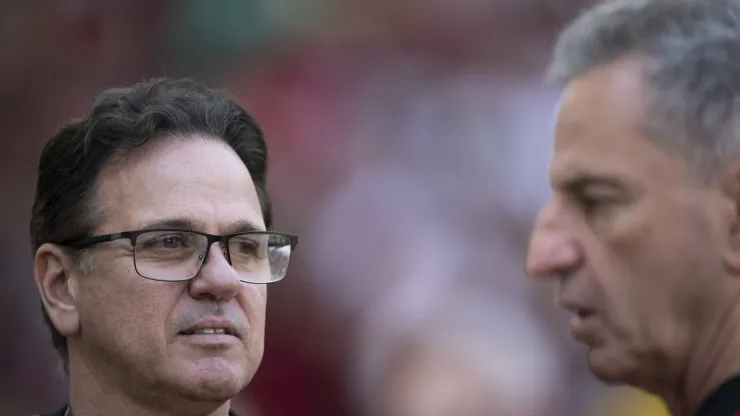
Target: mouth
[
  {"x": 582, "y": 324},
  {"x": 210, "y": 337},
  {"x": 584, "y": 313},
  {"x": 211, "y": 331},
  {"x": 208, "y": 331},
  {"x": 212, "y": 327},
  {"x": 581, "y": 316}
]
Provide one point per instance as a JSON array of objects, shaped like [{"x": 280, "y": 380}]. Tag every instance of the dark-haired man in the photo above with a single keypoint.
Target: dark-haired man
[{"x": 151, "y": 229}]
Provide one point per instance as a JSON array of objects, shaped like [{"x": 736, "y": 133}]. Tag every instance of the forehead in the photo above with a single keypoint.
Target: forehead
[
  {"x": 599, "y": 130},
  {"x": 199, "y": 179}
]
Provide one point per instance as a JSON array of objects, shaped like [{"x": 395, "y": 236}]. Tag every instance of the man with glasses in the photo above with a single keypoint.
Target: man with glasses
[{"x": 152, "y": 251}]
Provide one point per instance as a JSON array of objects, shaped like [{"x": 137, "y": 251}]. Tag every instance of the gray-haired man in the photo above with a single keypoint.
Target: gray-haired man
[{"x": 643, "y": 229}]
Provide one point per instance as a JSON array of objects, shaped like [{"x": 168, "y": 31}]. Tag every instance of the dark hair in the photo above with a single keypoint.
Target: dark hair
[{"x": 119, "y": 121}]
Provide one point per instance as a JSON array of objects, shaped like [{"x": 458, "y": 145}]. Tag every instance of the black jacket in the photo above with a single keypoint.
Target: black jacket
[
  {"x": 62, "y": 411},
  {"x": 725, "y": 401}
]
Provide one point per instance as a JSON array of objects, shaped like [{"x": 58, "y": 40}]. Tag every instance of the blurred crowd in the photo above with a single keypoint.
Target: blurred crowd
[{"x": 409, "y": 144}]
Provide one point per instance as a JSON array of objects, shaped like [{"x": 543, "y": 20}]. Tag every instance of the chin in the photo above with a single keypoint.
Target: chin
[
  {"x": 610, "y": 366},
  {"x": 218, "y": 390},
  {"x": 214, "y": 379}
]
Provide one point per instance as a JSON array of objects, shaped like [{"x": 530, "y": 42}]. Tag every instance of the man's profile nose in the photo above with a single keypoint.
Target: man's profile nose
[{"x": 549, "y": 254}]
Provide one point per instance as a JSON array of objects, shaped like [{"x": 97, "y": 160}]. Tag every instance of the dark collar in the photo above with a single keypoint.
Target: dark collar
[
  {"x": 64, "y": 411},
  {"x": 724, "y": 401}
]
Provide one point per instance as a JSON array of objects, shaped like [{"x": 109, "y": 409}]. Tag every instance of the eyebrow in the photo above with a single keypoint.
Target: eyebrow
[
  {"x": 189, "y": 223},
  {"x": 589, "y": 181},
  {"x": 584, "y": 180}
]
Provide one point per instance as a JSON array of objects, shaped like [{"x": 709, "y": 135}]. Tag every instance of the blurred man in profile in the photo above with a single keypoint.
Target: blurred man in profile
[
  {"x": 152, "y": 251},
  {"x": 642, "y": 233}
]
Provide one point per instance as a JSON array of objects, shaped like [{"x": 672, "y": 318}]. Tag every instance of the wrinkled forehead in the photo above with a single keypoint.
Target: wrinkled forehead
[
  {"x": 599, "y": 130},
  {"x": 627, "y": 160},
  {"x": 201, "y": 180}
]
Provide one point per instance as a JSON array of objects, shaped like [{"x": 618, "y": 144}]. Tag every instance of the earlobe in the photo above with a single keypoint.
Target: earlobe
[
  {"x": 57, "y": 287},
  {"x": 732, "y": 256}
]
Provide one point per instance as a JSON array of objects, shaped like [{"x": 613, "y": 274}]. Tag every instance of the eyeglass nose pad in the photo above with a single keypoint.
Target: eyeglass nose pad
[
  {"x": 226, "y": 253},
  {"x": 204, "y": 256}
]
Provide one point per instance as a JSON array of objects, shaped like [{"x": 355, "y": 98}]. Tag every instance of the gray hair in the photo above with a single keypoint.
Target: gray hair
[{"x": 691, "y": 55}]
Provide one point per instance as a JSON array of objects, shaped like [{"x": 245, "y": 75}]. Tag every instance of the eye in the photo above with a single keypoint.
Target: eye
[
  {"x": 588, "y": 203},
  {"x": 247, "y": 247},
  {"x": 171, "y": 241},
  {"x": 593, "y": 195},
  {"x": 592, "y": 204},
  {"x": 164, "y": 241}
]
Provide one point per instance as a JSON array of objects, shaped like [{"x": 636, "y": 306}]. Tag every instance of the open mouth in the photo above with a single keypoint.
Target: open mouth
[
  {"x": 208, "y": 331},
  {"x": 584, "y": 313}
]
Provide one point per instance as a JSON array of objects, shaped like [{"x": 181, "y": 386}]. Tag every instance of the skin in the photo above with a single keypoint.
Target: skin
[
  {"x": 126, "y": 353},
  {"x": 646, "y": 255}
]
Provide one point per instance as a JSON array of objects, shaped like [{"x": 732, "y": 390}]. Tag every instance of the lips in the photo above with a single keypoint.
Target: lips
[
  {"x": 576, "y": 308},
  {"x": 211, "y": 327},
  {"x": 584, "y": 326},
  {"x": 584, "y": 313},
  {"x": 207, "y": 331}
]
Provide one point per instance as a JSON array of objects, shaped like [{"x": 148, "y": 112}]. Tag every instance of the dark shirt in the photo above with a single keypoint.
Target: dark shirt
[
  {"x": 63, "y": 410},
  {"x": 724, "y": 401}
]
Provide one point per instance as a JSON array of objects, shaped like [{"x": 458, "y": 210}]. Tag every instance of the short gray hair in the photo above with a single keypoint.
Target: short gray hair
[{"x": 691, "y": 51}]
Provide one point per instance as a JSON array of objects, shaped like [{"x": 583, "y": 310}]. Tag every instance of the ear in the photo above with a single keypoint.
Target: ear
[
  {"x": 57, "y": 286},
  {"x": 728, "y": 215}
]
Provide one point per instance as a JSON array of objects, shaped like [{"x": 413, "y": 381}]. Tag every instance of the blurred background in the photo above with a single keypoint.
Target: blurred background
[{"x": 409, "y": 143}]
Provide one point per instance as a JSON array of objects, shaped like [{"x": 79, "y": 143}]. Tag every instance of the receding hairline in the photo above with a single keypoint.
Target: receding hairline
[
  {"x": 635, "y": 65},
  {"x": 605, "y": 33},
  {"x": 679, "y": 41}
]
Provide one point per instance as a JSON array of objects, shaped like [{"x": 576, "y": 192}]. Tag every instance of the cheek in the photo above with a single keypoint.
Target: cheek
[
  {"x": 653, "y": 276},
  {"x": 637, "y": 281},
  {"x": 126, "y": 309},
  {"x": 253, "y": 301},
  {"x": 625, "y": 280}
]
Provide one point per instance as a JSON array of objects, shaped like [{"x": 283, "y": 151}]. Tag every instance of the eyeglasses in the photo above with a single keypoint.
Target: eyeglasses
[{"x": 175, "y": 255}]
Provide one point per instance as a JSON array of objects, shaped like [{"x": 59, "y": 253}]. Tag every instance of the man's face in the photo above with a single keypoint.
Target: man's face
[
  {"x": 133, "y": 326},
  {"x": 633, "y": 238}
]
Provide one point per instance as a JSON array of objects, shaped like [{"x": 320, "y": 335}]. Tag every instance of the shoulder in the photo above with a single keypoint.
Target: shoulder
[{"x": 59, "y": 412}]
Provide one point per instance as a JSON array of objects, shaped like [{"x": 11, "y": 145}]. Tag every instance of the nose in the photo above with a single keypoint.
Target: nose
[
  {"x": 552, "y": 252},
  {"x": 216, "y": 280}
]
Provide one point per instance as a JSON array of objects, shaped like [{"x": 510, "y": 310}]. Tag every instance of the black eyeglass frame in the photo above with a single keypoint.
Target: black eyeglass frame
[{"x": 132, "y": 236}]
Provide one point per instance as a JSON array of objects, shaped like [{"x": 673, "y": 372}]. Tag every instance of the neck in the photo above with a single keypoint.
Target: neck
[
  {"x": 713, "y": 359},
  {"x": 94, "y": 393}
]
